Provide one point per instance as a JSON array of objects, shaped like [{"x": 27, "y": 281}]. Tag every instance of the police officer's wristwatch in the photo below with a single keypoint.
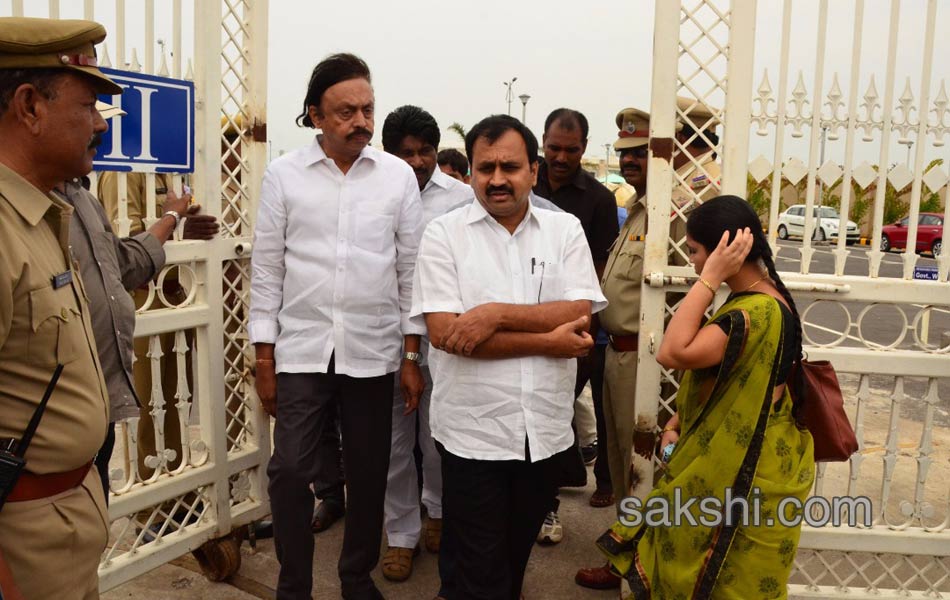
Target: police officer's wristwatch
[
  {"x": 413, "y": 356},
  {"x": 174, "y": 214}
]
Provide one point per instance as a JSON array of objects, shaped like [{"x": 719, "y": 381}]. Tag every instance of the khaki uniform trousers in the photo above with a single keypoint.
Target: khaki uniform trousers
[
  {"x": 620, "y": 386},
  {"x": 53, "y": 545}
]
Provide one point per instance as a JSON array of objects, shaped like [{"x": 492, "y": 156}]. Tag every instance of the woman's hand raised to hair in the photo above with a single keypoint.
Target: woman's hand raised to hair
[{"x": 726, "y": 260}]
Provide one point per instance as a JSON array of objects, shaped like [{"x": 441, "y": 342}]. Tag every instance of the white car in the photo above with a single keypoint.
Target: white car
[{"x": 791, "y": 223}]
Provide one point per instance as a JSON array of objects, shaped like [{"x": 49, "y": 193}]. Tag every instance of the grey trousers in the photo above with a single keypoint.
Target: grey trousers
[{"x": 304, "y": 404}]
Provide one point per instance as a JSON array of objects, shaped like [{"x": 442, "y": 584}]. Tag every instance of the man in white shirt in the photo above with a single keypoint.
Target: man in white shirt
[
  {"x": 507, "y": 290},
  {"x": 331, "y": 285},
  {"x": 412, "y": 134}
]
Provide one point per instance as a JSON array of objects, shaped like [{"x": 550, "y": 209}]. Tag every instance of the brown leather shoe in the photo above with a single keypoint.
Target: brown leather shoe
[
  {"x": 433, "y": 535},
  {"x": 325, "y": 515},
  {"x": 397, "y": 563},
  {"x": 601, "y": 499},
  {"x": 597, "y": 578}
]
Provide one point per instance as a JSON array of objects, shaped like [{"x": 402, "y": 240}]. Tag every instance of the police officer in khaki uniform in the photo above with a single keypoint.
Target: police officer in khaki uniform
[
  {"x": 698, "y": 180},
  {"x": 697, "y": 176},
  {"x": 623, "y": 278},
  {"x": 53, "y": 527},
  {"x": 621, "y": 319}
]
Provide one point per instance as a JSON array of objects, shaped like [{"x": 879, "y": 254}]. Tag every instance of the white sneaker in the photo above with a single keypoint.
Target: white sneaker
[{"x": 551, "y": 531}]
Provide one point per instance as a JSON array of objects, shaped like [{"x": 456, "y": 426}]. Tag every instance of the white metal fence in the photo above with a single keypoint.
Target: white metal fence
[
  {"x": 862, "y": 309},
  {"x": 178, "y": 497}
]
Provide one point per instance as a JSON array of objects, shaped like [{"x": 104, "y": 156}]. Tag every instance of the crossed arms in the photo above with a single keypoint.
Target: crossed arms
[{"x": 496, "y": 330}]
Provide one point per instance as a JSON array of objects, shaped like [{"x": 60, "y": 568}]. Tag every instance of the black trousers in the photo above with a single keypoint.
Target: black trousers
[
  {"x": 304, "y": 404},
  {"x": 491, "y": 511},
  {"x": 594, "y": 372},
  {"x": 328, "y": 485}
]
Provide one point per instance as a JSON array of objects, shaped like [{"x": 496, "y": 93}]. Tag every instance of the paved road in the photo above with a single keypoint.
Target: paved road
[{"x": 882, "y": 324}]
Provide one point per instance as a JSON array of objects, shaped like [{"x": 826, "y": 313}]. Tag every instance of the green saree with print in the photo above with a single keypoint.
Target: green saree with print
[{"x": 735, "y": 443}]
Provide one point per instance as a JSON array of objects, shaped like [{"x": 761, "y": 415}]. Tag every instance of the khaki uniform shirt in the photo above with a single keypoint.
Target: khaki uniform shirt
[
  {"x": 703, "y": 182},
  {"x": 43, "y": 323},
  {"x": 623, "y": 274},
  {"x": 108, "y": 192},
  {"x": 110, "y": 266}
]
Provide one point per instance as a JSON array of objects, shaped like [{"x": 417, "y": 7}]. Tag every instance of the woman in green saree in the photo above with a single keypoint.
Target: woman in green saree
[{"x": 737, "y": 432}]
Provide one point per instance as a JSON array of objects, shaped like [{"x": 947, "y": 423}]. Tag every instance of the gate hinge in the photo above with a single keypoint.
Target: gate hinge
[{"x": 259, "y": 131}]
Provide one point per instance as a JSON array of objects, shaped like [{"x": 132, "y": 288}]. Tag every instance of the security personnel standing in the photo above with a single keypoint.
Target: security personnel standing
[
  {"x": 623, "y": 278},
  {"x": 50, "y": 128},
  {"x": 621, "y": 320},
  {"x": 693, "y": 182},
  {"x": 700, "y": 180}
]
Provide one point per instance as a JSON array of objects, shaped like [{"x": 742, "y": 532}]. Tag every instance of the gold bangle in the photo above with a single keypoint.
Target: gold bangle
[
  {"x": 264, "y": 360},
  {"x": 708, "y": 285},
  {"x": 668, "y": 428}
]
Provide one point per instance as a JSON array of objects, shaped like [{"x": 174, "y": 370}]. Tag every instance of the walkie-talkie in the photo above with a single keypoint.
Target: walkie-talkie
[{"x": 12, "y": 454}]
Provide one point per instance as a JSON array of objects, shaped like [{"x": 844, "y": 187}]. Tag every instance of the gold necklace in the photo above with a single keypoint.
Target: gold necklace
[{"x": 757, "y": 282}]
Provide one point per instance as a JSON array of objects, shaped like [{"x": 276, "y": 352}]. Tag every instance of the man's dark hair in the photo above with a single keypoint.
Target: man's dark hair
[
  {"x": 455, "y": 159},
  {"x": 493, "y": 127},
  {"x": 409, "y": 120},
  {"x": 329, "y": 72},
  {"x": 44, "y": 80},
  {"x": 688, "y": 132},
  {"x": 568, "y": 118}
]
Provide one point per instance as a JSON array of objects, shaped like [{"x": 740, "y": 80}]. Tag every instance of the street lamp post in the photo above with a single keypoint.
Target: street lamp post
[
  {"x": 509, "y": 94},
  {"x": 606, "y": 162},
  {"x": 524, "y": 105}
]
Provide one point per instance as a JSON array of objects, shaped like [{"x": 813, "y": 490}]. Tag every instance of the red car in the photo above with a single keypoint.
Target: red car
[{"x": 929, "y": 234}]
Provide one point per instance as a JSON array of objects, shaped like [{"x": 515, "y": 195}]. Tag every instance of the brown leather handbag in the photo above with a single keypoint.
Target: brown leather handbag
[{"x": 824, "y": 412}]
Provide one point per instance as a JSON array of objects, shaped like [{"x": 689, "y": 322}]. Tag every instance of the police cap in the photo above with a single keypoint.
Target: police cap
[{"x": 30, "y": 43}]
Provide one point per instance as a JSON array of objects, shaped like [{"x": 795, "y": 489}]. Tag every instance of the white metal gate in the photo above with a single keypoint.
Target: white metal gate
[
  {"x": 218, "y": 482},
  {"x": 862, "y": 309}
]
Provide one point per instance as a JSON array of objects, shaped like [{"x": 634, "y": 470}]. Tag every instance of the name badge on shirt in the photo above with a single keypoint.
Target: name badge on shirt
[{"x": 63, "y": 279}]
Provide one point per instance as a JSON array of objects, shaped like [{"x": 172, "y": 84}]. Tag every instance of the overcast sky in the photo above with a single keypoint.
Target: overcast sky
[{"x": 452, "y": 59}]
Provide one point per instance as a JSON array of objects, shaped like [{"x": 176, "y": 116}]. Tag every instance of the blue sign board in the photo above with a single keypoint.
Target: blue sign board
[
  {"x": 158, "y": 133},
  {"x": 925, "y": 273}
]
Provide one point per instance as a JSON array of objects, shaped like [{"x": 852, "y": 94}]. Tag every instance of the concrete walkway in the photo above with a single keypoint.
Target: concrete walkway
[{"x": 550, "y": 573}]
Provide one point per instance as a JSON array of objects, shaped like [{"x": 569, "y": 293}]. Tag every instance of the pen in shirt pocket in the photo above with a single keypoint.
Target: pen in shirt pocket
[{"x": 534, "y": 264}]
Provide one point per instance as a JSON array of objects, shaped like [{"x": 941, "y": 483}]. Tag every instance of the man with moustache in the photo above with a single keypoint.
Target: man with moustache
[
  {"x": 507, "y": 291},
  {"x": 562, "y": 181},
  {"x": 53, "y": 524},
  {"x": 412, "y": 134},
  {"x": 331, "y": 286},
  {"x": 623, "y": 277},
  {"x": 621, "y": 282}
]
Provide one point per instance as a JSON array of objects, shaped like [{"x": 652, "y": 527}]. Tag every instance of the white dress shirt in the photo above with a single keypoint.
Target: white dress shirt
[
  {"x": 483, "y": 409},
  {"x": 440, "y": 195},
  {"x": 332, "y": 262}
]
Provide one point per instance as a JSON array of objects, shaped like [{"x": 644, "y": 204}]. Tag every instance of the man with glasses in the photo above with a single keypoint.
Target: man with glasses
[{"x": 621, "y": 320}]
